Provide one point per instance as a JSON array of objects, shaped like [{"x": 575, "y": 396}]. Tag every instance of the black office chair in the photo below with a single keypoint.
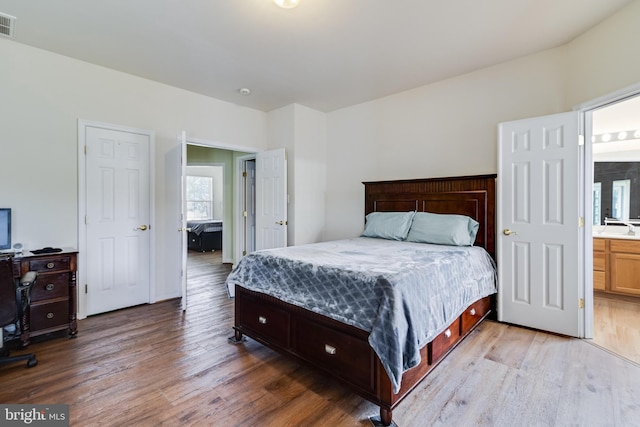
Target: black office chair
[{"x": 13, "y": 301}]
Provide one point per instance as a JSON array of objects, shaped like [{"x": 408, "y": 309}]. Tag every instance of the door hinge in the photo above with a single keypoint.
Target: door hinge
[
  {"x": 244, "y": 253},
  {"x": 85, "y": 150},
  {"x": 86, "y": 288},
  {"x": 581, "y": 222},
  {"x": 581, "y": 303},
  {"x": 244, "y": 214},
  {"x": 244, "y": 174},
  {"x": 580, "y": 139}
]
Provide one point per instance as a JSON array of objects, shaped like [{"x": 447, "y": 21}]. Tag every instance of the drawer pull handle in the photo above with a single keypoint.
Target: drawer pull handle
[
  {"x": 262, "y": 320},
  {"x": 51, "y": 265},
  {"x": 329, "y": 349},
  {"x": 50, "y": 287},
  {"x": 49, "y": 315},
  {"x": 447, "y": 333},
  {"x": 473, "y": 312}
]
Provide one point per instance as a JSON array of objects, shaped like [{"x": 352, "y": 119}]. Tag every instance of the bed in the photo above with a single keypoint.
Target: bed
[
  {"x": 205, "y": 235},
  {"x": 337, "y": 340}
]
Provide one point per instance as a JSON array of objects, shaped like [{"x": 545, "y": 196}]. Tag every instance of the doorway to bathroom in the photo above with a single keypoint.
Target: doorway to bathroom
[{"x": 616, "y": 227}]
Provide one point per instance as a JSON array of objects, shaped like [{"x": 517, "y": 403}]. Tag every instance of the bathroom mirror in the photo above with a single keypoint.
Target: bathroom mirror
[{"x": 616, "y": 191}]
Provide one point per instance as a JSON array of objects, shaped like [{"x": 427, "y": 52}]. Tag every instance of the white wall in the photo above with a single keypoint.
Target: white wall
[
  {"x": 449, "y": 128},
  {"x": 310, "y": 174},
  {"x": 444, "y": 129},
  {"x": 301, "y": 131},
  {"x": 605, "y": 59},
  {"x": 44, "y": 95}
]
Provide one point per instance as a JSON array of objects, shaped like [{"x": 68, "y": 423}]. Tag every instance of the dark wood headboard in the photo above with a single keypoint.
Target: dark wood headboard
[{"x": 474, "y": 196}]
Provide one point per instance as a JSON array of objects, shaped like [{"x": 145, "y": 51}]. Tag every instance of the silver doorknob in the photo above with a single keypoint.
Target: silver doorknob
[
  {"x": 141, "y": 228},
  {"x": 508, "y": 232}
]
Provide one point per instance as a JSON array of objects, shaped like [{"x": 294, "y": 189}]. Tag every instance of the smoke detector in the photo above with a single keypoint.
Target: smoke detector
[{"x": 7, "y": 25}]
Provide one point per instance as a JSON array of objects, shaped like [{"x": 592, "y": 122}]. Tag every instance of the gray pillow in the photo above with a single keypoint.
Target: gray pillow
[
  {"x": 388, "y": 225},
  {"x": 443, "y": 229}
]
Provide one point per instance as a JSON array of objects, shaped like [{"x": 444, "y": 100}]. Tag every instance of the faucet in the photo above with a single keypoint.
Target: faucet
[{"x": 632, "y": 229}]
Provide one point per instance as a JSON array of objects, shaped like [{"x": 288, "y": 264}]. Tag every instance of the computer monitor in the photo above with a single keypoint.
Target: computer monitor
[{"x": 5, "y": 228}]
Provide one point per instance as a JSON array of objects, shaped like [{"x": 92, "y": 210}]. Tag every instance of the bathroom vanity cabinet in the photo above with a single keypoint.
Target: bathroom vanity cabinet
[{"x": 616, "y": 265}]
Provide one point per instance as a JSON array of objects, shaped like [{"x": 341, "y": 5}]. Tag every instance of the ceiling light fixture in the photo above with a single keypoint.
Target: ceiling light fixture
[{"x": 287, "y": 4}]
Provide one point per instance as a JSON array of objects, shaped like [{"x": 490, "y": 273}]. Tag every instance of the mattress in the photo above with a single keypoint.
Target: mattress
[{"x": 204, "y": 226}]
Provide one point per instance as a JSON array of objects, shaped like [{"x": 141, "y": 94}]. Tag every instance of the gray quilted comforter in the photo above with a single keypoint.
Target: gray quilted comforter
[{"x": 403, "y": 293}]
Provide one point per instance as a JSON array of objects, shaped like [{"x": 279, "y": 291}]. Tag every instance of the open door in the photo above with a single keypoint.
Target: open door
[
  {"x": 271, "y": 199},
  {"x": 182, "y": 149},
  {"x": 539, "y": 224}
]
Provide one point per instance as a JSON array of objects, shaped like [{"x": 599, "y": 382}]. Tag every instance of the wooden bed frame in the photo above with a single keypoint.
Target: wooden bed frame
[{"x": 342, "y": 350}]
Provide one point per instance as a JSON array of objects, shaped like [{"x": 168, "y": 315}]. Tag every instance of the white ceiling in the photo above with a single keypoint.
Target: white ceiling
[{"x": 325, "y": 54}]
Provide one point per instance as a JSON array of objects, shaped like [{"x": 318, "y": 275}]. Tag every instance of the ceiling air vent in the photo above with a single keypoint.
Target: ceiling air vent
[{"x": 7, "y": 25}]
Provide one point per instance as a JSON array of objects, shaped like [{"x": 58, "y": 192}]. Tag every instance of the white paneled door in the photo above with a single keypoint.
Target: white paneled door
[
  {"x": 539, "y": 224},
  {"x": 117, "y": 219},
  {"x": 271, "y": 199}
]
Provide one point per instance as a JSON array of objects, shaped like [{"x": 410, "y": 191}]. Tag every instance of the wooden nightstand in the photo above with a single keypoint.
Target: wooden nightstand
[{"x": 53, "y": 304}]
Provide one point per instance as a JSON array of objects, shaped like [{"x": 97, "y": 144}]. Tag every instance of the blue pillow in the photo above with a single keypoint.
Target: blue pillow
[
  {"x": 388, "y": 225},
  {"x": 443, "y": 229}
]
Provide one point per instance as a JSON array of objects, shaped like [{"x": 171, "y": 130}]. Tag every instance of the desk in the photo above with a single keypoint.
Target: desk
[{"x": 53, "y": 304}]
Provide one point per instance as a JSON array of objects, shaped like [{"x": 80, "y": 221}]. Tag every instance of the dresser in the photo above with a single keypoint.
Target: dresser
[{"x": 53, "y": 304}]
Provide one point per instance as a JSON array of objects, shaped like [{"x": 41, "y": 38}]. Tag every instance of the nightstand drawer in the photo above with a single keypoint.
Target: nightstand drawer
[
  {"x": 46, "y": 316},
  {"x": 49, "y": 286},
  {"x": 52, "y": 264}
]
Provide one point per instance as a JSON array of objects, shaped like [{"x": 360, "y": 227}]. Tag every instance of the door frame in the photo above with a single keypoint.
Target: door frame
[
  {"x": 82, "y": 210},
  {"x": 236, "y": 212},
  {"x": 240, "y": 194},
  {"x": 586, "y": 192}
]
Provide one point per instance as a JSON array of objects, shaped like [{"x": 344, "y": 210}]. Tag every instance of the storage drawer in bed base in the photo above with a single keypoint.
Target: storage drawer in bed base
[{"x": 341, "y": 350}]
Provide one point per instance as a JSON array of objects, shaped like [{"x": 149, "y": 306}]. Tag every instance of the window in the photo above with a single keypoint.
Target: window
[{"x": 199, "y": 197}]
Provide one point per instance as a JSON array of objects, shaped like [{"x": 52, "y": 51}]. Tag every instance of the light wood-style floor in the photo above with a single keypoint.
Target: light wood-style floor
[
  {"x": 617, "y": 325},
  {"x": 152, "y": 365}
]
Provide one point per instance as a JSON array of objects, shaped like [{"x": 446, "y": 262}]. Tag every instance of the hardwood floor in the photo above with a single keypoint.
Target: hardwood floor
[
  {"x": 617, "y": 325},
  {"x": 152, "y": 365}
]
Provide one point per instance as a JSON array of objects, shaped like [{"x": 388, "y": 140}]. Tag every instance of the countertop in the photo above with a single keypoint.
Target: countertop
[{"x": 615, "y": 232}]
